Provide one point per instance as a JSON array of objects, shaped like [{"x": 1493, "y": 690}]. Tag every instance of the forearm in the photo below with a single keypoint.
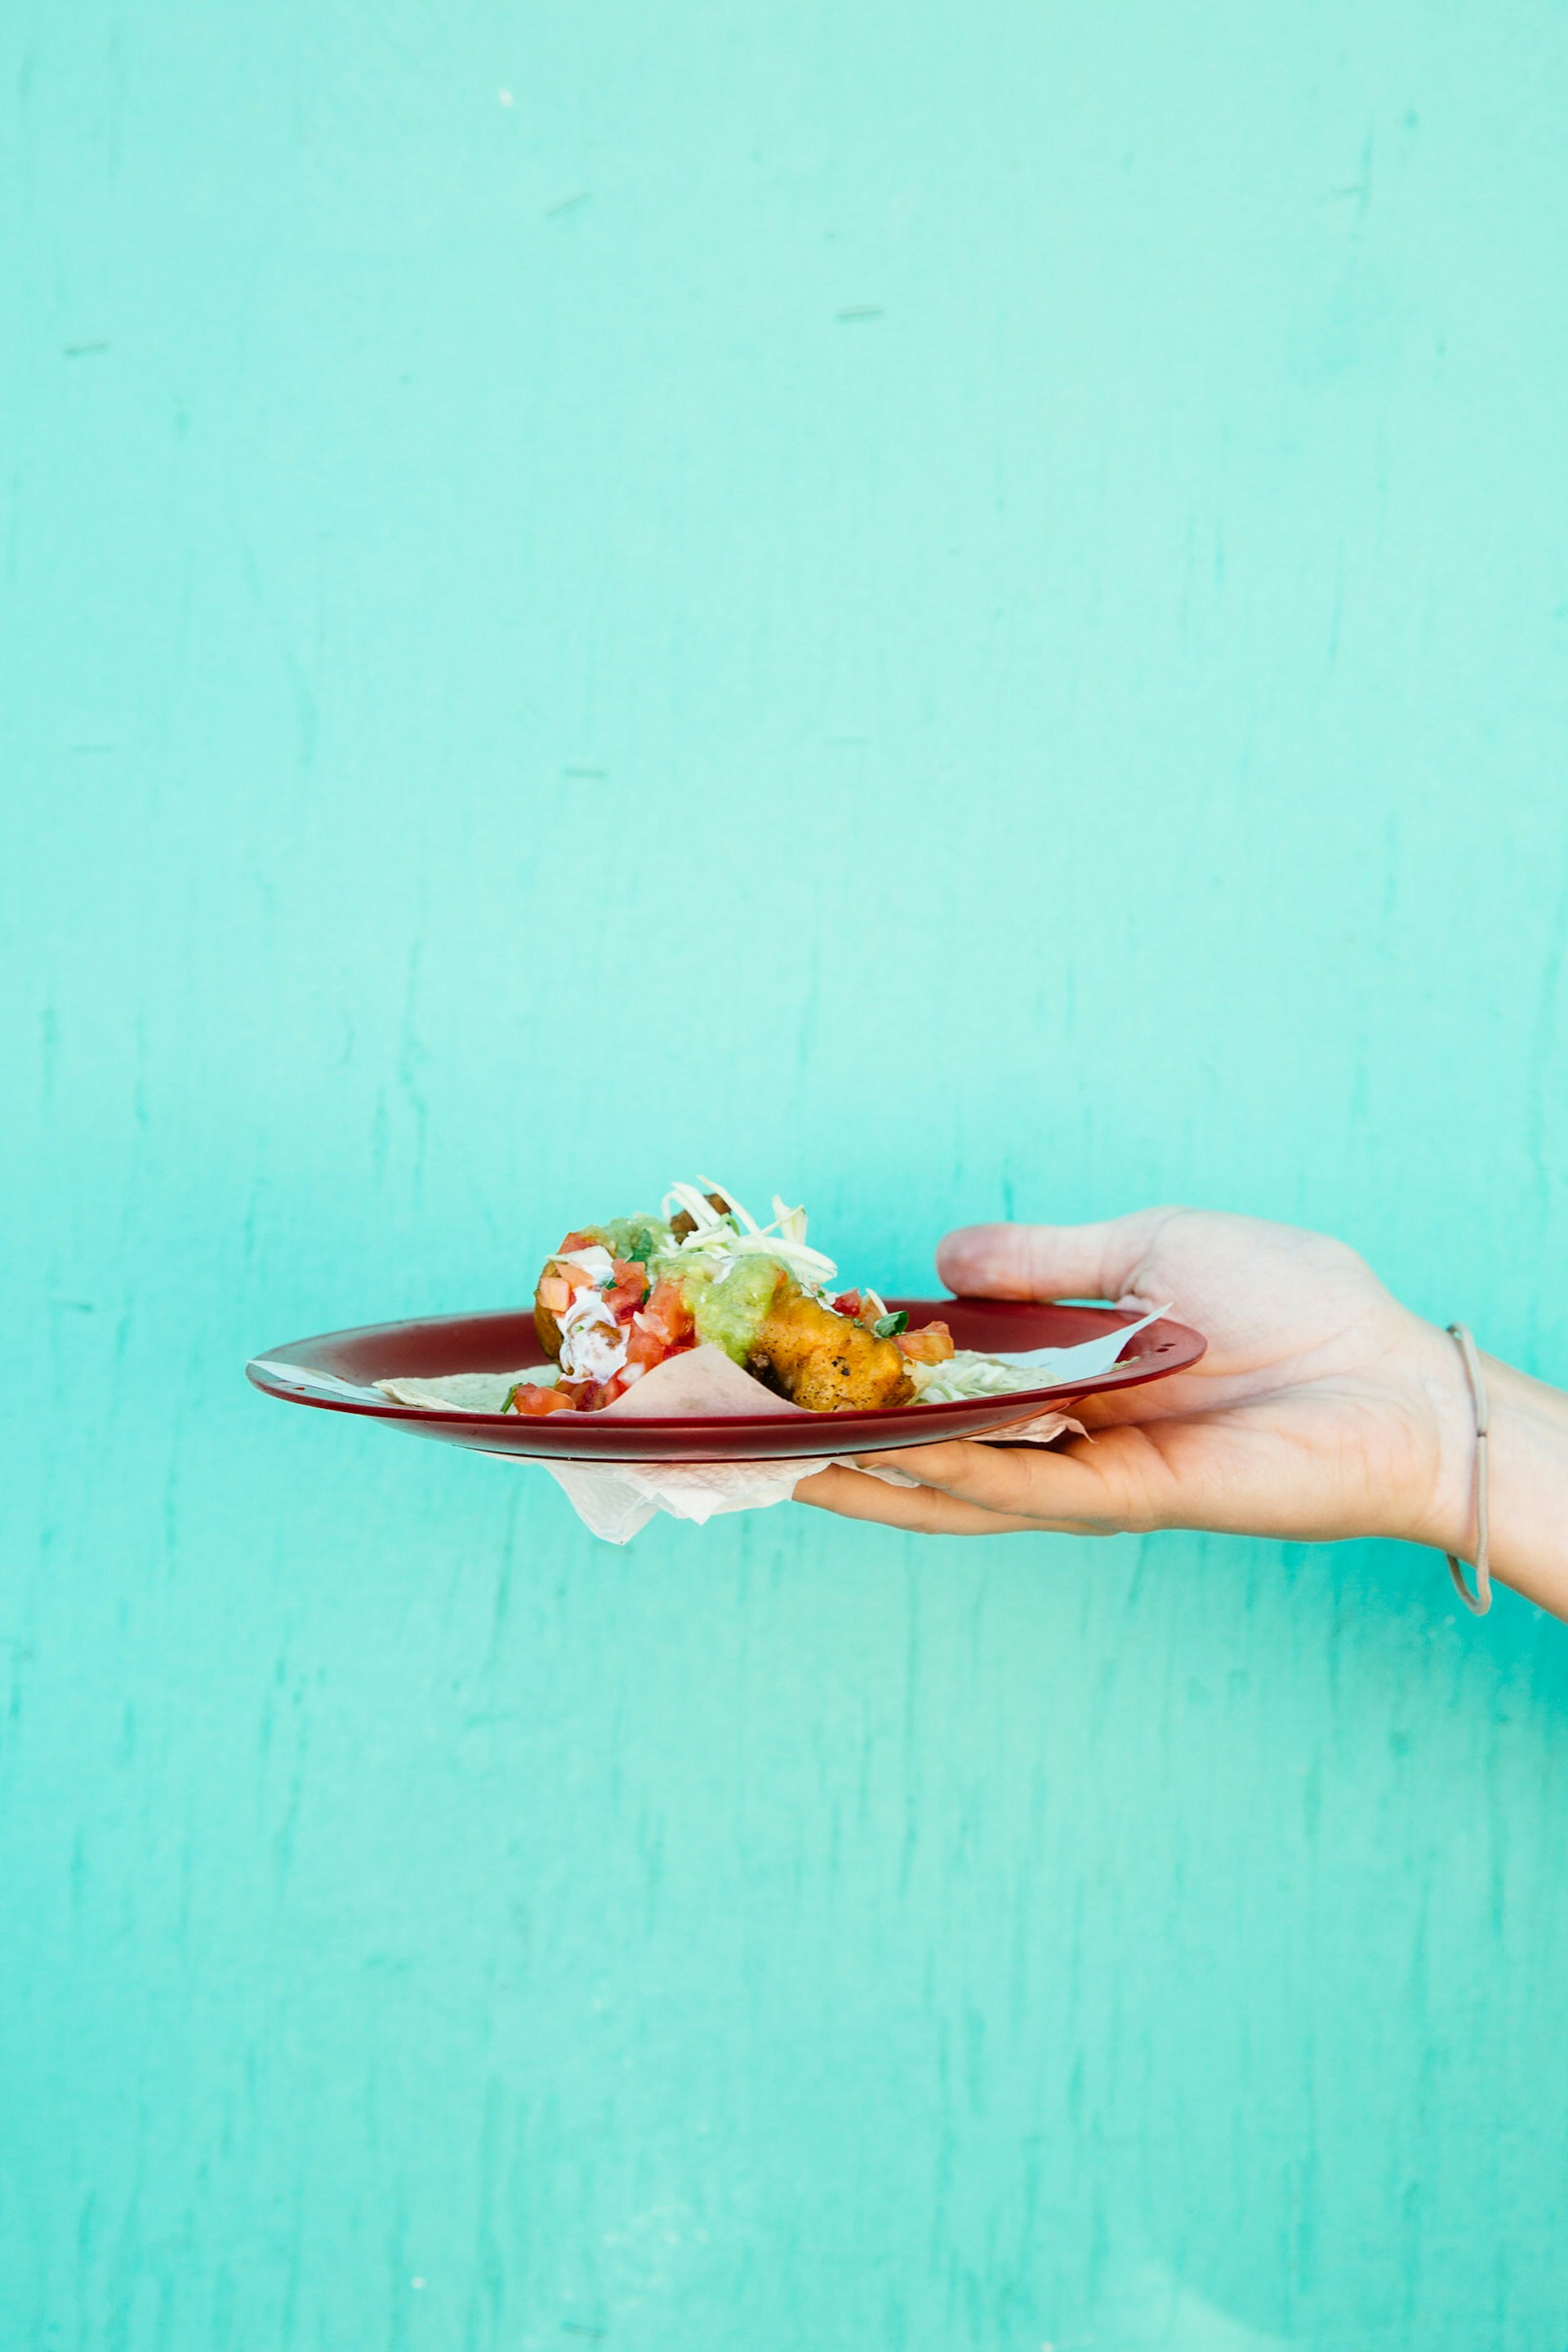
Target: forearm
[{"x": 1529, "y": 1481}]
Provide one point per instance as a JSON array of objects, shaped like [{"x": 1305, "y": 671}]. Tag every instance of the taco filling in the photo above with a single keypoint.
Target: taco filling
[{"x": 617, "y": 1299}]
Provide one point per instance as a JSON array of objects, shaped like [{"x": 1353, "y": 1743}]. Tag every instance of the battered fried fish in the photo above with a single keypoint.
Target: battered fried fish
[{"x": 823, "y": 1361}]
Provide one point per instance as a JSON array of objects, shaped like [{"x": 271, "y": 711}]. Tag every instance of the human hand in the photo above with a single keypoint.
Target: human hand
[{"x": 1323, "y": 1408}]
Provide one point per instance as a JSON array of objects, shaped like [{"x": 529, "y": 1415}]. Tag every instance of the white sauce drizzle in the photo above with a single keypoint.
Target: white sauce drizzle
[
  {"x": 593, "y": 1344},
  {"x": 594, "y": 1260}
]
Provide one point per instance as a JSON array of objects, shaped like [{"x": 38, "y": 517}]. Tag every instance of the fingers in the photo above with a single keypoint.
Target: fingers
[
  {"x": 1104, "y": 1489},
  {"x": 969, "y": 1489},
  {"x": 920, "y": 1510},
  {"x": 1047, "y": 1261}
]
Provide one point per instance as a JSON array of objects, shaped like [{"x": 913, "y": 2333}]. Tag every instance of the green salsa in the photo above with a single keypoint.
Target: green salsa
[
  {"x": 641, "y": 1237},
  {"x": 728, "y": 1297}
]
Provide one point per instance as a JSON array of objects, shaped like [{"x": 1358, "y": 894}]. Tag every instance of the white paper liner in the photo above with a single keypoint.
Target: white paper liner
[
  {"x": 616, "y": 1499},
  {"x": 302, "y": 1376}
]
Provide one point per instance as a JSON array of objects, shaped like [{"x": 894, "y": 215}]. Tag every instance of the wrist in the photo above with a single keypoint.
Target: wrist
[
  {"x": 1440, "y": 1509},
  {"x": 1527, "y": 1448}
]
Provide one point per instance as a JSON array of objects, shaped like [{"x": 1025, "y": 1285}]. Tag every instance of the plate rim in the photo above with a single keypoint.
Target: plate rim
[{"x": 1018, "y": 1405}]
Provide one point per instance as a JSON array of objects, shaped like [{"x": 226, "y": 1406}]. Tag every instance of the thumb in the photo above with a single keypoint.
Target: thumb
[{"x": 1047, "y": 1261}]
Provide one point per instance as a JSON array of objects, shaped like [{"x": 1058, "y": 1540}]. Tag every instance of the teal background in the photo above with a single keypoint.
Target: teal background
[{"x": 960, "y": 611}]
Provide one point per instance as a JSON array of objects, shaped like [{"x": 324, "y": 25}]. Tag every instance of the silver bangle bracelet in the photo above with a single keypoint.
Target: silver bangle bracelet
[{"x": 1481, "y": 1600}]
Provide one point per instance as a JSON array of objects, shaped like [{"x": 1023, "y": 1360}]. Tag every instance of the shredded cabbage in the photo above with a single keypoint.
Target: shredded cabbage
[
  {"x": 738, "y": 1235},
  {"x": 968, "y": 1374}
]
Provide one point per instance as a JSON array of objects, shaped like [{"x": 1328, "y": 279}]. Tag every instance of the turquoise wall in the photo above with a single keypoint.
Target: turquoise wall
[{"x": 958, "y": 610}]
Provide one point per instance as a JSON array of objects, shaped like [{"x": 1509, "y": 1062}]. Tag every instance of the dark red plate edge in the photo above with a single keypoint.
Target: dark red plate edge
[{"x": 698, "y": 1425}]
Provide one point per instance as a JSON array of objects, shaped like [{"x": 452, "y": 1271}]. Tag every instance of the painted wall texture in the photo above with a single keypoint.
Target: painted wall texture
[{"x": 960, "y": 610}]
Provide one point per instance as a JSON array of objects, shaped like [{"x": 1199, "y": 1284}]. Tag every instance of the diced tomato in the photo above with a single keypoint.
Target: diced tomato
[
  {"x": 666, "y": 1314},
  {"x": 560, "y": 1283},
  {"x": 663, "y": 1328},
  {"x": 931, "y": 1344},
  {"x": 645, "y": 1349},
  {"x": 628, "y": 1290},
  {"x": 848, "y": 1303},
  {"x": 643, "y": 1353},
  {"x": 527, "y": 1398},
  {"x": 626, "y": 1377},
  {"x": 582, "y": 1241}
]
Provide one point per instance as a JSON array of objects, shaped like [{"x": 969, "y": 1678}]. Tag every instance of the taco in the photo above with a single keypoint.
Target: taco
[{"x": 617, "y": 1298}]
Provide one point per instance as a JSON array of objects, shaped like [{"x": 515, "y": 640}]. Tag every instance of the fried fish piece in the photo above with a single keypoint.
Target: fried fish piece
[
  {"x": 547, "y": 1326},
  {"x": 824, "y": 1361}
]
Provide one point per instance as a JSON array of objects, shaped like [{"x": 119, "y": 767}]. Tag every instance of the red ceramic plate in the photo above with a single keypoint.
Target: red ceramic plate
[{"x": 506, "y": 1343}]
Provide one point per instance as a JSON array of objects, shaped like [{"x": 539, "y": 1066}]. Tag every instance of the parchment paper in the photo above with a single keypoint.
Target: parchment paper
[{"x": 615, "y": 1499}]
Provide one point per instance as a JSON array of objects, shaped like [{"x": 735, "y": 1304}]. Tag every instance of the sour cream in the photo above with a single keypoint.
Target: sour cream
[
  {"x": 594, "y": 1260},
  {"x": 593, "y": 1344}
]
